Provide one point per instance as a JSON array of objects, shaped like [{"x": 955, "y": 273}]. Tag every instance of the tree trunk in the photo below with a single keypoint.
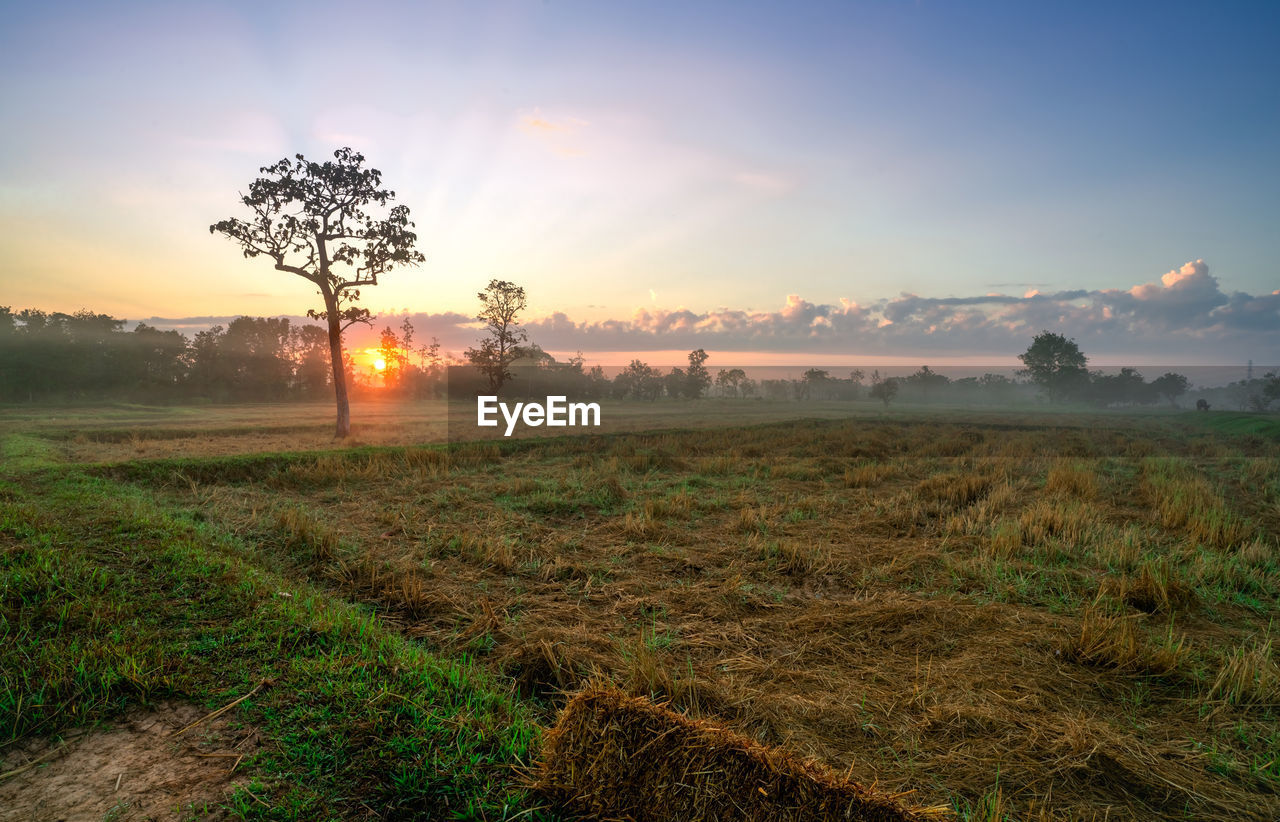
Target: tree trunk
[{"x": 339, "y": 371}]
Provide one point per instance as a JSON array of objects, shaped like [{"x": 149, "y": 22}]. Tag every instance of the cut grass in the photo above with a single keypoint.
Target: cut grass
[
  {"x": 107, "y": 600},
  {"x": 909, "y": 599}
]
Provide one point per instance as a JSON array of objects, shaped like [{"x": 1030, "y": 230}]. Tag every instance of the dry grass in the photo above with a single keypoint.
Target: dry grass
[
  {"x": 1248, "y": 675},
  {"x": 615, "y": 756},
  {"x": 868, "y": 475},
  {"x": 303, "y": 533},
  {"x": 914, "y": 604},
  {"x": 1185, "y": 500},
  {"x": 1073, "y": 478},
  {"x": 1069, "y": 523},
  {"x": 1112, "y": 640}
]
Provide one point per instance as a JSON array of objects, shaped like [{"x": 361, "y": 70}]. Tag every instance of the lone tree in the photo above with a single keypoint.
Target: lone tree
[
  {"x": 314, "y": 220},
  {"x": 1171, "y": 386},
  {"x": 885, "y": 390},
  {"x": 698, "y": 377},
  {"x": 500, "y": 303},
  {"x": 1056, "y": 364}
]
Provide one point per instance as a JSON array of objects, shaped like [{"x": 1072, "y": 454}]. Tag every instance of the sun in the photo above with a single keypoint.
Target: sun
[{"x": 380, "y": 364}]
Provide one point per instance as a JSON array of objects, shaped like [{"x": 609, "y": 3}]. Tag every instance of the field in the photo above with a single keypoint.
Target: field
[{"x": 1030, "y": 616}]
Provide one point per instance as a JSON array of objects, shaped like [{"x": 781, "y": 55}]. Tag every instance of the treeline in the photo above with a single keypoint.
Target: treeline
[
  {"x": 534, "y": 372},
  {"x": 924, "y": 385},
  {"x": 537, "y": 373},
  {"x": 88, "y": 356}
]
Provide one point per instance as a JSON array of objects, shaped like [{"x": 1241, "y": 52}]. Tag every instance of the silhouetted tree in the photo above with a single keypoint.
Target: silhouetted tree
[
  {"x": 639, "y": 381},
  {"x": 1125, "y": 388},
  {"x": 310, "y": 345},
  {"x": 312, "y": 220},
  {"x": 597, "y": 384},
  {"x": 393, "y": 359},
  {"x": 155, "y": 361},
  {"x": 884, "y": 390},
  {"x": 697, "y": 378},
  {"x": 927, "y": 381},
  {"x": 730, "y": 381},
  {"x": 1056, "y": 364},
  {"x": 1171, "y": 386},
  {"x": 676, "y": 383},
  {"x": 815, "y": 384},
  {"x": 257, "y": 351},
  {"x": 1271, "y": 390},
  {"x": 500, "y": 304}
]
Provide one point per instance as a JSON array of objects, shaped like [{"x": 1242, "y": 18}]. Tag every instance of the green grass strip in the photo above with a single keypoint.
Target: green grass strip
[{"x": 108, "y": 600}]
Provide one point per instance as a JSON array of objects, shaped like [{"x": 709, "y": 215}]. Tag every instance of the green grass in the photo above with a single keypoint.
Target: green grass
[
  {"x": 108, "y": 600},
  {"x": 23, "y": 452},
  {"x": 1239, "y": 422}
]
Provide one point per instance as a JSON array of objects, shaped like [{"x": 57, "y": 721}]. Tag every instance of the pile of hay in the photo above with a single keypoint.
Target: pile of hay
[{"x": 621, "y": 757}]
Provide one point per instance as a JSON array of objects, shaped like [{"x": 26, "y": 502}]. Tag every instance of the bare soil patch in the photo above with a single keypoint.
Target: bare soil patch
[{"x": 139, "y": 768}]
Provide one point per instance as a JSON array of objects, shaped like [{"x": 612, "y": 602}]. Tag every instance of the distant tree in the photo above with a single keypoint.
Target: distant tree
[
  {"x": 1271, "y": 390},
  {"x": 1171, "y": 386},
  {"x": 9, "y": 363},
  {"x": 157, "y": 361},
  {"x": 429, "y": 358},
  {"x": 639, "y": 381},
  {"x": 532, "y": 354},
  {"x": 995, "y": 387},
  {"x": 406, "y": 342},
  {"x": 256, "y": 351},
  {"x": 312, "y": 220},
  {"x": 391, "y": 351},
  {"x": 311, "y": 360},
  {"x": 1125, "y": 388},
  {"x": 1056, "y": 364},
  {"x": 209, "y": 375},
  {"x": 816, "y": 375},
  {"x": 885, "y": 390},
  {"x": 731, "y": 381},
  {"x": 500, "y": 305},
  {"x": 815, "y": 384},
  {"x": 856, "y": 376},
  {"x": 995, "y": 382},
  {"x": 44, "y": 355},
  {"x": 597, "y": 384},
  {"x": 697, "y": 378},
  {"x": 776, "y": 389},
  {"x": 413, "y": 380},
  {"x": 676, "y": 383},
  {"x": 927, "y": 381}
]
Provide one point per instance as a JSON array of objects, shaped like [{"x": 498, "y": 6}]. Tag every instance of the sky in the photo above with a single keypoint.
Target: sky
[{"x": 830, "y": 181}]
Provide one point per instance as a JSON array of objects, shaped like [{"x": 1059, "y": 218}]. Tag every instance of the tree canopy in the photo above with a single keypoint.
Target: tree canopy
[{"x": 1056, "y": 364}]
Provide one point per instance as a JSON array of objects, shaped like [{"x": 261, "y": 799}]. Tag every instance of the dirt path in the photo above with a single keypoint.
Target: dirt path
[{"x": 139, "y": 768}]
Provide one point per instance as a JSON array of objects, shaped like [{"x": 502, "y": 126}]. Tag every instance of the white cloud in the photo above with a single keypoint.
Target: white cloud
[{"x": 1185, "y": 315}]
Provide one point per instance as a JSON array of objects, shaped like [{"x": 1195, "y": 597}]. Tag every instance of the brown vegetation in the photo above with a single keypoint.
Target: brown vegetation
[
  {"x": 615, "y": 756},
  {"x": 932, "y": 607}
]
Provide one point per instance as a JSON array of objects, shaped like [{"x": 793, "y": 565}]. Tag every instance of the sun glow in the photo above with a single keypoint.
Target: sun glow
[{"x": 379, "y": 364}]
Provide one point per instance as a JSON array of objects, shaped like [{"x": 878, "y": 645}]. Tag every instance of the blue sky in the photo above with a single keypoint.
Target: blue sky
[{"x": 695, "y": 159}]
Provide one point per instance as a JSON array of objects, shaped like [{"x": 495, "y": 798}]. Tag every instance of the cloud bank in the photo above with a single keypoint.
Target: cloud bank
[{"x": 1183, "y": 317}]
